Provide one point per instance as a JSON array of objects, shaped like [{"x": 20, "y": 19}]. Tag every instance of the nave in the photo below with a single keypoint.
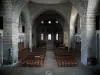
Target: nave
[
  {"x": 41, "y": 57},
  {"x": 50, "y": 37}
]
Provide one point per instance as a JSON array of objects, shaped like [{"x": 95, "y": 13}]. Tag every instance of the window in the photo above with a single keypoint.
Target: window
[
  {"x": 1, "y": 20},
  {"x": 97, "y": 22},
  {"x": 56, "y": 36},
  {"x": 49, "y": 22},
  {"x": 41, "y": 36},
  {"x": 42, "y": 22},
  {"x": 23, "y": 29},
  {"x": 56, "y": 22},
  {"x": 75, "y": 29},
  {"x": 49, "y": 36}
]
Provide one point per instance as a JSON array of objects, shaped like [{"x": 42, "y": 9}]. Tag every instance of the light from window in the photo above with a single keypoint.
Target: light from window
[
  {"x": 56, "y": 36},
  {"x": 49, "y": 36},
  {"x": 56, "y": 21},
  {"x": 49, "y": 22},
  {"x": 41, "y": 36},
  {"x": 42, "y": 22}
]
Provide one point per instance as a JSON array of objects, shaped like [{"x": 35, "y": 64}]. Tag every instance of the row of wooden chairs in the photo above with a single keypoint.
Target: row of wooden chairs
[
  {"x": 66, "y": 63},
  {"x": 39, "y": 50},
  {"x": 64, "y": 58},
  {"x": 33, "y": 61},
  {"x": 62, "y": 53},
  {"x": 60, "y": 50},
  {"x": 35, "y": 58}
]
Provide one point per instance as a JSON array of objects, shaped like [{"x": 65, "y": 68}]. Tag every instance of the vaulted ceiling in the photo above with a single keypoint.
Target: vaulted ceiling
[
  {"x": 49, "y": 1},
  {"x": 58, "y": 1}
]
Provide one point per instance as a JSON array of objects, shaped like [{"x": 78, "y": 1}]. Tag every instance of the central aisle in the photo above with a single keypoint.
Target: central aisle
[{"x": 50, "y": 61}]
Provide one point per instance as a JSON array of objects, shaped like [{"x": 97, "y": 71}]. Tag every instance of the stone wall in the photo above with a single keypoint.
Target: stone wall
[{"x": 1, "y": 47}]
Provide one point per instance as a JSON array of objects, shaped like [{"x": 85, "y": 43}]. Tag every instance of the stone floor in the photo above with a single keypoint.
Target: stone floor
[
  {"x": 50, "y": 67},
  {"x": 54, "y": 71},
  {"x": 50, "y": 61}
]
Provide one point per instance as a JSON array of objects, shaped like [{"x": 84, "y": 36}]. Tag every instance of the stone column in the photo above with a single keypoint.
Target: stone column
[
  {"x": 10, "y": 42},
  {"x": 28, "y": 29},
  {"x": 34, "y": 40},
  {"x": 72, "y": 26},
  {"x": 28, "y": 37},
  {"x": 10, "y": 35},
  {"x": 65, "y": 34},
  {"x": 34, "y": 35},
  {"x": 20, "y": 25},
  {"x": 1, "y": 47},
  {"x": 26, "y": 41},
  {"x": 65, "y": 38},
  {"x": 88, "y": 49}
]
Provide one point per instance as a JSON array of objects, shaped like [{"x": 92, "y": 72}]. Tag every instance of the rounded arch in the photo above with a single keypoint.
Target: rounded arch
[
  {"x": 79, "y": 5},
  {"x": 17, "y": 9},
  {"x": 98, "y": 9},
  {"x": 41, "y": 11}
]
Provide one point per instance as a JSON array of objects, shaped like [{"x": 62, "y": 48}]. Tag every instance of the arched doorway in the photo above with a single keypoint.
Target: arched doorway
[{"x": 47, "y": 26}]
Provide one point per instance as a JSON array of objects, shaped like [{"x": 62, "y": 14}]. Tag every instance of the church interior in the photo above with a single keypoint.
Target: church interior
[{"x": 50, "y": 37}]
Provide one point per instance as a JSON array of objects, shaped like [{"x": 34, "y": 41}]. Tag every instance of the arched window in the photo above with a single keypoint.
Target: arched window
[
  {"x": 56, "y": 36},
  {"x": 49, "y": 36},
  {"x": 1, "y": 20},
  {"x": 41, "y": 36}
]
